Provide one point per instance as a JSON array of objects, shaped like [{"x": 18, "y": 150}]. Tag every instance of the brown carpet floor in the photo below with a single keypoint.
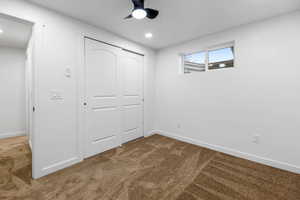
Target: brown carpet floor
[{"x": 154, "y": 168}]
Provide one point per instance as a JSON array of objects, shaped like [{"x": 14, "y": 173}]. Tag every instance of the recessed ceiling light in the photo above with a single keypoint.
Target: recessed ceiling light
[
  {"x": 139, "y": 13},
  {"x": 1, "y": 31},
  {"x": 148, "y": 35}
]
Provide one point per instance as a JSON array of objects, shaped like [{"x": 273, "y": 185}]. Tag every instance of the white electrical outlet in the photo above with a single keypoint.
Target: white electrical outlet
[
  {"x": 256, "y": 139},
  {"x": 68, "y": 72},
  {"x": 179, "y": 126}
]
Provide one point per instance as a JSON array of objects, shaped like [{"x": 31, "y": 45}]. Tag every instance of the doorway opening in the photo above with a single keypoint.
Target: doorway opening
[{"x": 16, "y": 98}]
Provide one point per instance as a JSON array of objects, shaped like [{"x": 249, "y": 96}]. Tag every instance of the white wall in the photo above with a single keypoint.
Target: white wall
[
  {"x": 12, "y": 92},
  {"x": 223, "y": 109},
  {"x": 57, "y": 139}
]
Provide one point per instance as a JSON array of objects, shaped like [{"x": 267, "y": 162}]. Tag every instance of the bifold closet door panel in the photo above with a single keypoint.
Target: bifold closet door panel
[
  {"x": 103, "y": 99},
  {"x": 131, "y": 96},
  {"x": 114, "y": 95}
]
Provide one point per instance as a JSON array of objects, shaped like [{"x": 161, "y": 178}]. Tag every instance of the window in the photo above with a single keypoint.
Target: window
[
  {"x": 219, "y": 57},
  {"x": 195, "y": 62}
]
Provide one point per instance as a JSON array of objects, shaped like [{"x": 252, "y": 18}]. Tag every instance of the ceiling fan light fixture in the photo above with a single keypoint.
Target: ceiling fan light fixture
[{"x": 139, "y": 13}]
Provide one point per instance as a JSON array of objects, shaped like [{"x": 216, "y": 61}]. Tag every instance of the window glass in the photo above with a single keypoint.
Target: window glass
[
  {"x": 221, "y": 58},
  {"x": 194, "y": 62}
]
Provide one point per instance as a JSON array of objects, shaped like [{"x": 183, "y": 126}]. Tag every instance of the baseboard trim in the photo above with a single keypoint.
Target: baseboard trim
[
  {"x": 247, "y": 156},
  {"x": 30, "y": 145},
  {"x": 150, "y": 133},
  {"x": 56, "y": 167},
  {"x": 12, "y": 134}
]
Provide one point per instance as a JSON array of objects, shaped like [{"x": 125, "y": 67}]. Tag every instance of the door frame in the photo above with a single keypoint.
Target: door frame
[
  {"x": 81, "y": 87},
  {"x": 36, "y": 39}
]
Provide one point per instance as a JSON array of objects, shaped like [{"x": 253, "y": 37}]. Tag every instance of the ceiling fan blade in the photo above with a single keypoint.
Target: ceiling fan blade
[
  {"x": 151, "y": 13},
  {"x": 138, "y": 4},
  {"x": 128, "y": 17}
]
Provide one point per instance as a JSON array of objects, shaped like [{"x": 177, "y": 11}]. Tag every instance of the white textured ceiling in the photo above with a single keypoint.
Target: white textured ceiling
[
  {"x": 16, "y": 33},
  {"x": 179, "y": 20}
]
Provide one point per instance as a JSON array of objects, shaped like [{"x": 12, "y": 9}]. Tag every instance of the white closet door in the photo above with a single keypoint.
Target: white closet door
[
  {"x": 103, "y": 113},
  {"x": 131, "y": 96}
]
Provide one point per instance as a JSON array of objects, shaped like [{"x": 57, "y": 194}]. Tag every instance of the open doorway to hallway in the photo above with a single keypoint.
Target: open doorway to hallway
[{"x": 16, "y": 98}]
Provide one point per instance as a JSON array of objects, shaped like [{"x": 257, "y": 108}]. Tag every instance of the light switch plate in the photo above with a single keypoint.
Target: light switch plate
[
  {"x": 56, "y": 95},
  {"x": 68, "y": 72}
]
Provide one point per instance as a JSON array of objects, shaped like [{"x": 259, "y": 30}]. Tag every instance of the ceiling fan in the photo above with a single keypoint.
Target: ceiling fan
[{"x": 140, "y": 12}]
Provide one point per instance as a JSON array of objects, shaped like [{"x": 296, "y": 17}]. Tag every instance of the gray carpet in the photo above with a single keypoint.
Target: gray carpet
[{"x": 154, "y": 168}]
